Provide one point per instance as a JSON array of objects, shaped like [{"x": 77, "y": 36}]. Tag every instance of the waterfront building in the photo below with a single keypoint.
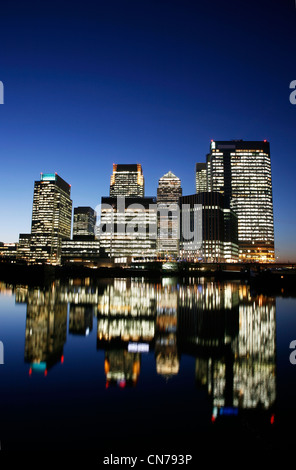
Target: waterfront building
[
  {"x": 84, "y": 249},
  {"x": 241, "y": 171},
  {"x": 201, "y": 177},
  {"x": 23, "y": 248},
  {"x": 168, "y": 193},
  {"x": 8, "y": 251},
  {"x": 127, "y": 180},
  {"x": 84, "y": 221},
  {"x": 128, "y": 227},
  {"x": 51, "y": 219},
  {"x": 208, "y": 229}
]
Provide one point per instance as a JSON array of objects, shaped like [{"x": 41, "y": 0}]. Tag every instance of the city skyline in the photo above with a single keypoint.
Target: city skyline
[
  {"x": 228, "y": 220},
  {"x": 143, "y": 83}
]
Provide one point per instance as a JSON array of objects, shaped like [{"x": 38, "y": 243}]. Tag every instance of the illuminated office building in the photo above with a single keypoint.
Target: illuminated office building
[
  {"x": 241, "y": 170},
  {"x": 127, "y": 180},
  {"x": 84, "y": 221},
  {"x": 84, "y": 249},
  {"x": 23, "y": 248},
  {"x": 51, "y": 218},
  {"x": 128, "y": 227},
  {"x": 201, "y": 177},
  {"x": 168, "y": 193},
  {"x": 211, "y": 226}
]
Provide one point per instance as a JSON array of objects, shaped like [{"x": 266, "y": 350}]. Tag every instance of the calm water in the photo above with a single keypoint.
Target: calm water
[{"x": 130, "y": 365}]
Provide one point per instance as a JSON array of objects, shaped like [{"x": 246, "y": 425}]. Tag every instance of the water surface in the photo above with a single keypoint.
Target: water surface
[{"x": 133, "y": 365}]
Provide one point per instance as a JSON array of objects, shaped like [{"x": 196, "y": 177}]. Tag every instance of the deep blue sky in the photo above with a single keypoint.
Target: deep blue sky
[{"x": 91, "y": 83}]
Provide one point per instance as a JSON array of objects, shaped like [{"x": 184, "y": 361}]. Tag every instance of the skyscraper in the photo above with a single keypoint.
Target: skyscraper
[
  {"x": 213, "y": 229},
  {"x": 128, "y": 227},
  {"x": 84, "y": 221},
  {"x": 127, "y": 180},
  {"x": 241, "y": 170},
  {"x": 168, "y": 193},
  {"x": 51, "y": 218},
  {"x": 201, "y": 177}
]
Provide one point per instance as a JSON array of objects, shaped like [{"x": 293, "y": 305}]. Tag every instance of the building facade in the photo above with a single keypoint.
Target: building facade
[
  {"x": 168, "y": 235},
  {"x": 128, "y": 227},
  {"x": 51, "y": 219},
  {"x": 201, "y": 177},
  {"x": 84, "y": 221},
  {"x": 241, "y": 171},
  {"x": 127, "y": 180},
  {"x": 212, "y": 228},
  {"x": 84, "y": 249}
]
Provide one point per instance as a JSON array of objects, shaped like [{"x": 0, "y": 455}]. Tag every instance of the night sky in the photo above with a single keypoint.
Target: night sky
[{"x": 92, "y": 83}]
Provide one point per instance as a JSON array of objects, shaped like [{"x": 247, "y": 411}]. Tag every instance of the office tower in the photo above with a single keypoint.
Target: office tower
[
  {"x": 168, "y": 193},
  {"x": 201, "y": 177},
  {"x": 84, "y": 221},
  {"x": 128, "y": 227},
  {"x": 127, "y": 180},
  {"x": 208, "y": 229},
  {"x": 241, "y": 170},
  {"x": 51, "y": 218}
]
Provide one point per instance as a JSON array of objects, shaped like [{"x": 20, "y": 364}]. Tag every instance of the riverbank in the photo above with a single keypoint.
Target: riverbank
[{"x": 275, "y": 280}]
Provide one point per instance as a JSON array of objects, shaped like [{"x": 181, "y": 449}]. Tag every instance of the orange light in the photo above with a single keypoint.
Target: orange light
[{"x": 106, "y": 366}]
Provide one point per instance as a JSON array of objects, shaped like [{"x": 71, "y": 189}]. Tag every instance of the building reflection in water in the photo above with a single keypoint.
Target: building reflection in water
[
  {"x": 166, "y": 350},
  {"x": 125, "y": 328},
  {"x": 46, "y": 327},
  {"x": 122, "y": 368},
  {"x": 81, "y": 319},
  {"x": 229, "y": 332}
]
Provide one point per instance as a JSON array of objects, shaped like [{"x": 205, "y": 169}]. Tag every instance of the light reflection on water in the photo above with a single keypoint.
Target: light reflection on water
[{"x": 212, "y": 344}]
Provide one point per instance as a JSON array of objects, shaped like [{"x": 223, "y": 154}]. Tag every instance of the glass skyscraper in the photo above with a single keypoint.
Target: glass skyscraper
[
  {"x": 201, "y": 177},
  {"x": 168, "y": 193},
  {"x": 127, "y": 180},
  {"x": 51, "y": 218},
  {"x": 84, "y": 221},
  {"x": 128, "y": 227},
  {"x": 241, "y": 170},
  {"x": 215, "y": 237}
]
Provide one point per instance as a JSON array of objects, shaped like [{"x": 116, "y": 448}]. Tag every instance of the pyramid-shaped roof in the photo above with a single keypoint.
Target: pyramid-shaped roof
[{"x": 169, "y": 174}]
